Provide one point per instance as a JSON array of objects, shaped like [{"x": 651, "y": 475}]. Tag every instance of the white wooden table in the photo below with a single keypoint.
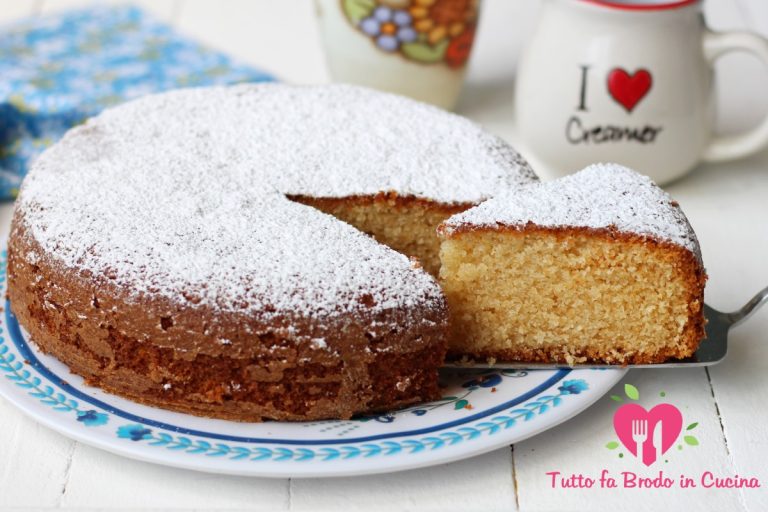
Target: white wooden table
[{"x": 727, "y": 204}]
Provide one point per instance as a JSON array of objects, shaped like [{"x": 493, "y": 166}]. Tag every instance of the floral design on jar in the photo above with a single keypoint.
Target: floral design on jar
[
  {"x": 389, "y": 27},
  {"x": 424, "y": 31}
]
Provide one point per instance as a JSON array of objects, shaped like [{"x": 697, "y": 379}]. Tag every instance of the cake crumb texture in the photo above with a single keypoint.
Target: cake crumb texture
[
  {"x": 407, "y": 225},
  {"x": 571, "y": 296}
]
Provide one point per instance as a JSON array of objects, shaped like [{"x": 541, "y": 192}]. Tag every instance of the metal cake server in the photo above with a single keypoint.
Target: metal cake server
[{"x": 711, "y": 351}]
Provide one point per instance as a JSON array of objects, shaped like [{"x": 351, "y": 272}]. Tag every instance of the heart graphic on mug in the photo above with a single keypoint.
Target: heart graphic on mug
[
  {"x": 628, "y": 89},
  {"x": 653, "y": 431}
]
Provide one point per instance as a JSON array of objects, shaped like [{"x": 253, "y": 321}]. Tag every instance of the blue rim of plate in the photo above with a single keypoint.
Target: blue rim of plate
[{"x": 31, "y": 359}]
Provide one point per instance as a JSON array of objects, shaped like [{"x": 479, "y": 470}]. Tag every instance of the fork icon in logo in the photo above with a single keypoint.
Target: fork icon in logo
[{"x": 639, "y": 436}]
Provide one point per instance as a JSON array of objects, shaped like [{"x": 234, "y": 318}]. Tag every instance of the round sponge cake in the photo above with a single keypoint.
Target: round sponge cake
[{"x": 166, "y": 250}]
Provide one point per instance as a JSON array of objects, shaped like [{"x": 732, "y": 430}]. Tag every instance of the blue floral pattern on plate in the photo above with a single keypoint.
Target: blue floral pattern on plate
[{"x": 573, "y": 387}]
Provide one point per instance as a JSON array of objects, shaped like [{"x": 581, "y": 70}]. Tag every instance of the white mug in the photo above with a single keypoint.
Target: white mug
[
  {"x": 627, "y": 81},
  {"x": 417, "y": 48}
]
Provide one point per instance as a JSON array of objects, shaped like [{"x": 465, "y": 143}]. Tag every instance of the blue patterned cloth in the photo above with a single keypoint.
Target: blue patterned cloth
[{"x": 56, "y": 71}]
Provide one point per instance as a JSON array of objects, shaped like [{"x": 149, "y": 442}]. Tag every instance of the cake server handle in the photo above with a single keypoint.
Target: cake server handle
[{"x": 750, "y": 307}]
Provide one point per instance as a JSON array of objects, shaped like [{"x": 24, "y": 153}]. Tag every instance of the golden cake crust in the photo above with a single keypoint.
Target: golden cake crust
[{"x": 159, "y": 353}]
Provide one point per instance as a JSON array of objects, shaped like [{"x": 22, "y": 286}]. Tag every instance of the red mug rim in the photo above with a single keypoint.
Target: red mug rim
[{"x": 650, "y": 6}]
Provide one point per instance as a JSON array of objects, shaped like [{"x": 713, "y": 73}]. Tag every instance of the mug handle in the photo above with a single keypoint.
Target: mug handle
[{"x": 730, "y": 147}]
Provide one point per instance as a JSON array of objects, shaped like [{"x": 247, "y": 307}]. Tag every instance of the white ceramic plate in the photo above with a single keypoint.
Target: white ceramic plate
[{"x": 479, "y": 412}]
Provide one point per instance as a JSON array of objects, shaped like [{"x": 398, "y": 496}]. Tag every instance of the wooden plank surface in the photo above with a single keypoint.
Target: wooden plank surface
[
  {"x": 102, "y": 480},
  {"x": 726, "y": 203},
  {"x": 35, "y": 462},
  {"x": 481, "y": 483}
]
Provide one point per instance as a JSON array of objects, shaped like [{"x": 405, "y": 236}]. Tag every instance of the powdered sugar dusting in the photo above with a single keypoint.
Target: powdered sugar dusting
[
  {"x": 342, "y": 140},
  {"x": 182, "y": 194},
  {"x": 600, "y": 196}
]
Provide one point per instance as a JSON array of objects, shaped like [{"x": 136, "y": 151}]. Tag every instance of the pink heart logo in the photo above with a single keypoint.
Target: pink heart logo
[{"x": 655, "y": 431}]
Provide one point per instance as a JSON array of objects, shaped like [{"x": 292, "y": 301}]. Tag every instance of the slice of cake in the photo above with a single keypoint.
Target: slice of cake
[{"x": 601, "y": 266}]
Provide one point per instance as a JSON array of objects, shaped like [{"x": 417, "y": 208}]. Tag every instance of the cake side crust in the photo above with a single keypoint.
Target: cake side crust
[{"x": 215, "y": 364}]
